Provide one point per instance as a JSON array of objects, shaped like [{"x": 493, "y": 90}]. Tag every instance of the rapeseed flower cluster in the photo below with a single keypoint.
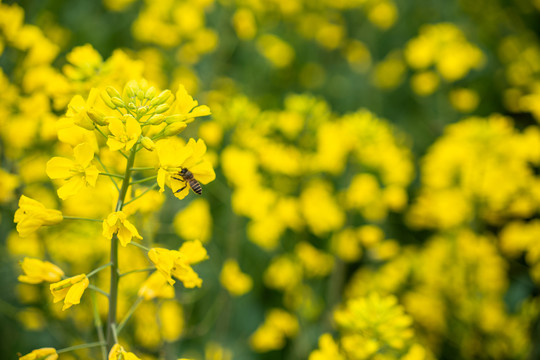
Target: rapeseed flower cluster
[{"x": 367, "y": 219}]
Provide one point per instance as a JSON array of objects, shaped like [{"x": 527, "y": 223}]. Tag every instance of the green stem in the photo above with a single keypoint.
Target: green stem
[
  {"x": 96, "y": 289},
  {"x": 137, "y": 271},
  {"x": 143, "y": 168},
  {"x": 128, "y": 315},
  {"x": 80, "y": 218},
  {"x": 141, "y": 194},
  {"x": 78, "y": 347},
  {"x": 99, "y": 326},
  {"x": 115, "y": 277},
  {"x": 106, "y": 170},
  {"x": 111, "y": 175},
  {"x": 139, "y": 246},
  {"x": 101, "y": 132},
  {"x": 93, "y": 272},
  {"x": 144, "y": 180}
]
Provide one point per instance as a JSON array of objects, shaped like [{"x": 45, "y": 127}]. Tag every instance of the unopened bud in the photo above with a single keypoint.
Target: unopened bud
[
  {"x": 142, "y": 110},
  {"x": 84, "y": 121},
  {"x": 112, "y": 92},
  {"x": 140, "y": 94},
  {"x": 118, "y": 102},
  {"x": 174, "y": 118},
  {"x": 107, "y": 99},
  {"x": 97, "y": 117},
  {"x": 150, "y": 93},
  {"x": 129, "y": 90},
  {"x": 161, "y": 98},
  {"x": 156, "y": 119},
  {"x": 162, "y": 108},
  {"x": 148, "y": 143},
  {"x": 174, "y": 128}
]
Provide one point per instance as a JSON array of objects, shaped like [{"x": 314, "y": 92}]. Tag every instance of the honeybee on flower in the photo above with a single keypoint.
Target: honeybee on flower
[{"x": 181, "y": 165}]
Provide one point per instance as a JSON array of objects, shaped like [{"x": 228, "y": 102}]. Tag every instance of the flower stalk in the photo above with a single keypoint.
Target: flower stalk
[{"x": 115, "y": 276}]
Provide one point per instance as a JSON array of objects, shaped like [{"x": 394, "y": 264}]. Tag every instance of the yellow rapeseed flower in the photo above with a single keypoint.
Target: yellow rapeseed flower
[
  {"x": 118, "y": 353},
  {"x": 41, "y": 354},
  {"x": 173, "y": 156},
  {"x": 78, "y": 109},
  {"x": 78, "y": 172},
  {"x": 117, "y": 223},
  {"x": 185, "y": 108},
  {"x": 123, "y": 136},
  {"x": 32, "y": 214},
  {"x": 37, "y": 271},
  {"x": 174, "y": 263},
  {"x": 70, "y": 290}
]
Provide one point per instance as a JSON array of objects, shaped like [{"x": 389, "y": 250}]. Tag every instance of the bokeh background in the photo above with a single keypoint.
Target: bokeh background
[{"x": 377, "y": 190}]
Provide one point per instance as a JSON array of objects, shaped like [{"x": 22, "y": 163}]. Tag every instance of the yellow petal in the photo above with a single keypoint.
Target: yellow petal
[
  {"x": 59, "y": 168},
  {"x": 71, "y": 187},
  {"x": 116, "y": 127},
  {"x": 84, "y": 153},
  {"x": 74, "y": 294}
]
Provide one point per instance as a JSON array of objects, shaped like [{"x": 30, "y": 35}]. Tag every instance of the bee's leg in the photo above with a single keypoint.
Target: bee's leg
[{"x": 180, "y": 189}]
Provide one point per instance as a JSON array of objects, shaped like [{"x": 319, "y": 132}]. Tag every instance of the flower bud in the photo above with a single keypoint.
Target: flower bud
[
  {"x": 174, "y": 118},
  {"x": 150, "y": 93},
  {"x": 97, "y": 117},
  {"x": 161, "y": 98},
  {"x": 162, "y": 108},
  {"x": 140, "y": 94},
  {"x": 148, "y": 143},
  {"x": 174, "y": 128},
  {"x": 142, "y": 110},
  {"x": 112, "y": 92},
  {"x": 129, "y": 91},
  {"x": 156, "y": 119},
  {"x": 118, "y": 102},
  {"x": 107, "y": 99},
  {"x": 85, "y": 122}
]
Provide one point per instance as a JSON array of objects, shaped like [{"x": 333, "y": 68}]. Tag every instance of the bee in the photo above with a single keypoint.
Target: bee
[{"x": 187, "y": 177}]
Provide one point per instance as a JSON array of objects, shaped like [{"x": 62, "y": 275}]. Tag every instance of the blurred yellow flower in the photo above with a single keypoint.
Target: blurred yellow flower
[
  {"x": 70, "y": 290},
  {"x": 171, "y": 316},
  {"x": 78, "y": 172},
  {"x": 8, "y": 184},
  {"x": 316, "y": 263},
  {"x": 425, "y": 83},
  {"x": 278, "y": 52},
  {"x": 83, "y": 63},
  {"x": 194, "y": 221},
  {"x": 32, "y": 214},
  {"x": 37, "y": 271},
  {"x": 117, "y": 223},
  {"x": 271, "y": 335},
  {"x": 41, "y": 354},
  {"x": 244, "y": 24},
  {"x": 156, "y": 286},
  {"x": 193, "y": 251},
  {"x": 118, "y": 353},
  {"x": 464, "y": 100},
  {"x": 328, "y": 349},
  {"x": 233, "y": 279}
]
